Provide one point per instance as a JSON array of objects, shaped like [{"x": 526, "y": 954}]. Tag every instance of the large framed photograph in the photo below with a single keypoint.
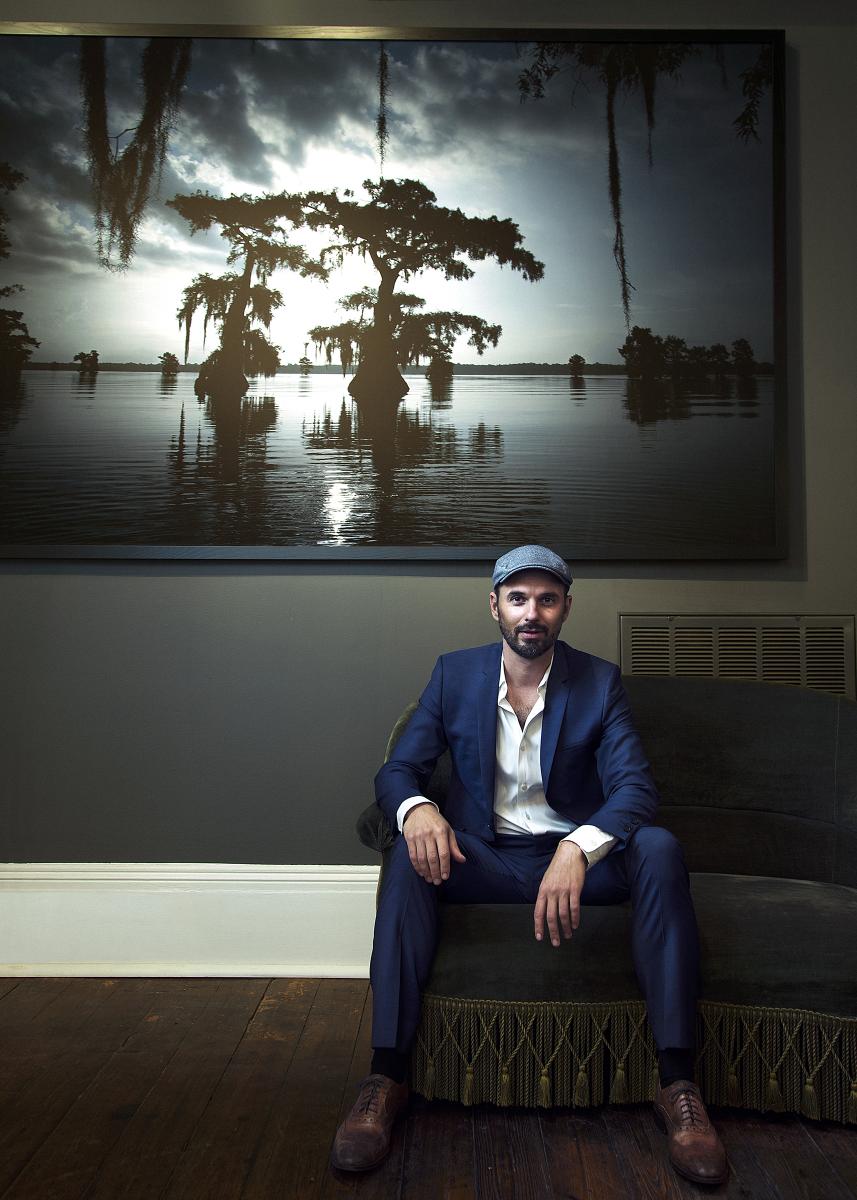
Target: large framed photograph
[{"x": 391, "y": 294}]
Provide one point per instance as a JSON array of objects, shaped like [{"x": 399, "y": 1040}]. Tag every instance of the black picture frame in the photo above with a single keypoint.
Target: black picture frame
[{"x": 651, "y": 411}]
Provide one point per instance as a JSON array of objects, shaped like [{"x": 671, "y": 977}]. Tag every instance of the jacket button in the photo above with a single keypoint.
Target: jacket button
[{"x": 628, "y": 828}]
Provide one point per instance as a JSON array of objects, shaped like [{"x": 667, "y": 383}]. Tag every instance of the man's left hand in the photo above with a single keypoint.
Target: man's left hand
[{"x": 558, "y": 901}]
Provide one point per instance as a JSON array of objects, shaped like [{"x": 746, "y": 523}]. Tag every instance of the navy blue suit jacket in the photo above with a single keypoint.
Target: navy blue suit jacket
[{"x": 593, "y": 766}]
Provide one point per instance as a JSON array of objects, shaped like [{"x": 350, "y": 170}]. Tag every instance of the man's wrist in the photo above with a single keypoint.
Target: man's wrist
[
  {"x": 406, "y": 806},
  {"x": 421, "y": 804},
  {"x": 575, "y": 846}
]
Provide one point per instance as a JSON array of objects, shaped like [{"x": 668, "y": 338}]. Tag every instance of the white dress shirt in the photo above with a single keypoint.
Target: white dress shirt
[{"x": 520, "y": 806}]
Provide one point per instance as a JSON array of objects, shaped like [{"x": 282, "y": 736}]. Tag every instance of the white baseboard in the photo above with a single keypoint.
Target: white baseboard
[{"x": 185, "y": 919}]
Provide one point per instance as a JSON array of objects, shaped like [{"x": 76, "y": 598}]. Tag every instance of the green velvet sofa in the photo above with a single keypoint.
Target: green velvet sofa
[{"x": 759, "y": 783}]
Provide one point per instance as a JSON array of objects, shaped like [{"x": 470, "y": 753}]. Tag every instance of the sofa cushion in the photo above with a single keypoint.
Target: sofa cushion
[
  {"x": 754, "y": 778},
  {"x": 765, "y": 942}
]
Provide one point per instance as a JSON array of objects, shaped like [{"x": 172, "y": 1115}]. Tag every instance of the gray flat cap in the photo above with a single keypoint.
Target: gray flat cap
[{"x": 530, "y": 558}]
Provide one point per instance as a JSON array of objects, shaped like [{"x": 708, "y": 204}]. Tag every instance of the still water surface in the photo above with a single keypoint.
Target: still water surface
[{"x": 586, "y": 465}]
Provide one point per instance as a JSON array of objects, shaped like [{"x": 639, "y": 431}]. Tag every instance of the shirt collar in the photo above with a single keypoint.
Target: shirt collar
[{"x": 504, "y": 687}]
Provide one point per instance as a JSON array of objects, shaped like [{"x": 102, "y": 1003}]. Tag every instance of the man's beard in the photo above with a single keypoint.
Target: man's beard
[{"x": 529, "y": 649}]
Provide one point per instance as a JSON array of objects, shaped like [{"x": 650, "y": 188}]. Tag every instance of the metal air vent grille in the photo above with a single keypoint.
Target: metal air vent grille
[{"x": 814, "y": 652}]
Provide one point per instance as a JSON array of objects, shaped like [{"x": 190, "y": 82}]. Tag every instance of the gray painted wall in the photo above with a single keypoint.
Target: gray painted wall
[{"x": 174, "y": 712}]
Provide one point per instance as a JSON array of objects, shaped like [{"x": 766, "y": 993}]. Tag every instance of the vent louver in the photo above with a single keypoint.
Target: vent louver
[{"x": 814, "y": 652}]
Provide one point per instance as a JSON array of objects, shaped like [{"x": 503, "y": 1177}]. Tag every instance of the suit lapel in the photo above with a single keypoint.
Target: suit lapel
[
  {"x": 556, "y": 702},
  {"x": 486, "y": 720}
]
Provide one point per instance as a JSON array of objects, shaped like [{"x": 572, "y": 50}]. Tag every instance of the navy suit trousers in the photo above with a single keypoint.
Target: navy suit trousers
[{"x": 649, "y": 871}]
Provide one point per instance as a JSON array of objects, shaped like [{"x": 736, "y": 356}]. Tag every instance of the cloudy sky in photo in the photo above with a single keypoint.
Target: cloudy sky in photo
[{"x": 268, "y": 116}]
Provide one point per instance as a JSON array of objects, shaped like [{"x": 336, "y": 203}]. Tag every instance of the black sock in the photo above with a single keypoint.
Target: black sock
[
  {"x": 675, "y": 1064},
  {"x": 390, "y": 1063}
]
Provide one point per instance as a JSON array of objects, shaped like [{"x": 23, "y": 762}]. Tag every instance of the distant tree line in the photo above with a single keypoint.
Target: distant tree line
[{"x": 647, "y": 355}]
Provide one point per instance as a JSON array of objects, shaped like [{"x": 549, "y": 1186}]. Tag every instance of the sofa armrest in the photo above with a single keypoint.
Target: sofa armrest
[{"x": 374, "y": 830}]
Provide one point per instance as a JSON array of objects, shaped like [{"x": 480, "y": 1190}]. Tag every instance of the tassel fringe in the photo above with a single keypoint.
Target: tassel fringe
[
  {"x": 581, "y": 1054},
  {"x": 852, "y": 1104},
  {"x": 809, "y": 1101},
  {"x": 773, "y": 1095},
  {"x": 619, "y": 1089},
  {"x": 428, "y": 1079}
]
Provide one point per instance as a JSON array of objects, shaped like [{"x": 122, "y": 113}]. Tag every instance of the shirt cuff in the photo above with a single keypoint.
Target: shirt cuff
[
  {"x": 594, "y": 842},
  {"x": 412, "y": 802}
]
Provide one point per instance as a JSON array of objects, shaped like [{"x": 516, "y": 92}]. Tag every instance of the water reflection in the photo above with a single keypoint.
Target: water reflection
[
  {"x": 87, "y": 383},
  {"x": 400, "y": 437},
  {"x": 498, "y": 460},
  {"x": 219, "y": 485},
  {"x": 647, "y": 401},
  {"x": 382, "y": 447},
  {"x": 440, "y": 392},
  {"x": 12, "y": 398},
  {"x": 747, "y": 388},
  {"x": 339, "y": 508}
]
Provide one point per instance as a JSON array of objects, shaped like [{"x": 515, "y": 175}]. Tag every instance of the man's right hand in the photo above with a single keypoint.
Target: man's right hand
[{"x": 431, "y": 842}]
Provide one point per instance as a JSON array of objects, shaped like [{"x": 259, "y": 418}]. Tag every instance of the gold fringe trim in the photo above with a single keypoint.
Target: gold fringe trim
[
  {"x": 809, "y": 1101},
  {"x": 773, "y": 1096},
  {"x": 428, "y": 1079},
  {"x": 574, "y": 1054},
  {"x": 619, "y": 1087}
]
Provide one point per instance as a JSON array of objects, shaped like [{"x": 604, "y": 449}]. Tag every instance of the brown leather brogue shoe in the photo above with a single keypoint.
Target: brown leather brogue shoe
[
  {"x": 695, "y": 1149},
  {"x": 363, "y": 1139}
]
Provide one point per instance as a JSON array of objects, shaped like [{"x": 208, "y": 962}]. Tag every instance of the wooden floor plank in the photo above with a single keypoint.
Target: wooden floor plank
[
  {"x": 223, "y": 1147},
  {"x": 579, "y": 1156},
  {"x": 25, "y": 1002},
  {"x": 8, "y": 985},
  {"x": 68, "y": 1049},
  {"x": 509, "y": 1156},
  {"x": 144, "y": 1158},
  {"x": 68, "y": 1160},
  {"x": 790, "y": 1159},
  {"x": 439, "y": 1154},
  {"x": 232, "y": 1090},
  {"x": 747, "y": 1180},
  {"x": 838, "y": 1144},
  {"x": 44, "y": 1022},
  {"x": 641, "y": 1154},
  {"x": 294, "y": 1149},
  {"x": 385, "y": 1181}
]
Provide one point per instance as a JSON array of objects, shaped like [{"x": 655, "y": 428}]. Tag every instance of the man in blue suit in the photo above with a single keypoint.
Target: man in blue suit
[{"x": 550, "y": 801}]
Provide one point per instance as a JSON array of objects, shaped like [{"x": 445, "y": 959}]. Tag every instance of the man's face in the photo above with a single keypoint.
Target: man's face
[{"x": 530, "y": 609}]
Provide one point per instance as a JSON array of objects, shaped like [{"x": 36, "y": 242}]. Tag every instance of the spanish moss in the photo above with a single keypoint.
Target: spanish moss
[
  {"x": 615, "y": 185},
  {"x": 633, "y": 67},
  {"x": 122, "y": 181},
  {"x": 381, "y": 123},
  {"x": 755, "y": 81}
]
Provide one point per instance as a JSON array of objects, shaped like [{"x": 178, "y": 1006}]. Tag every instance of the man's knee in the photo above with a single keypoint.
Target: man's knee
[
  {"x": 397, "y": 862},
  {"x": 656, "y": 849}
]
